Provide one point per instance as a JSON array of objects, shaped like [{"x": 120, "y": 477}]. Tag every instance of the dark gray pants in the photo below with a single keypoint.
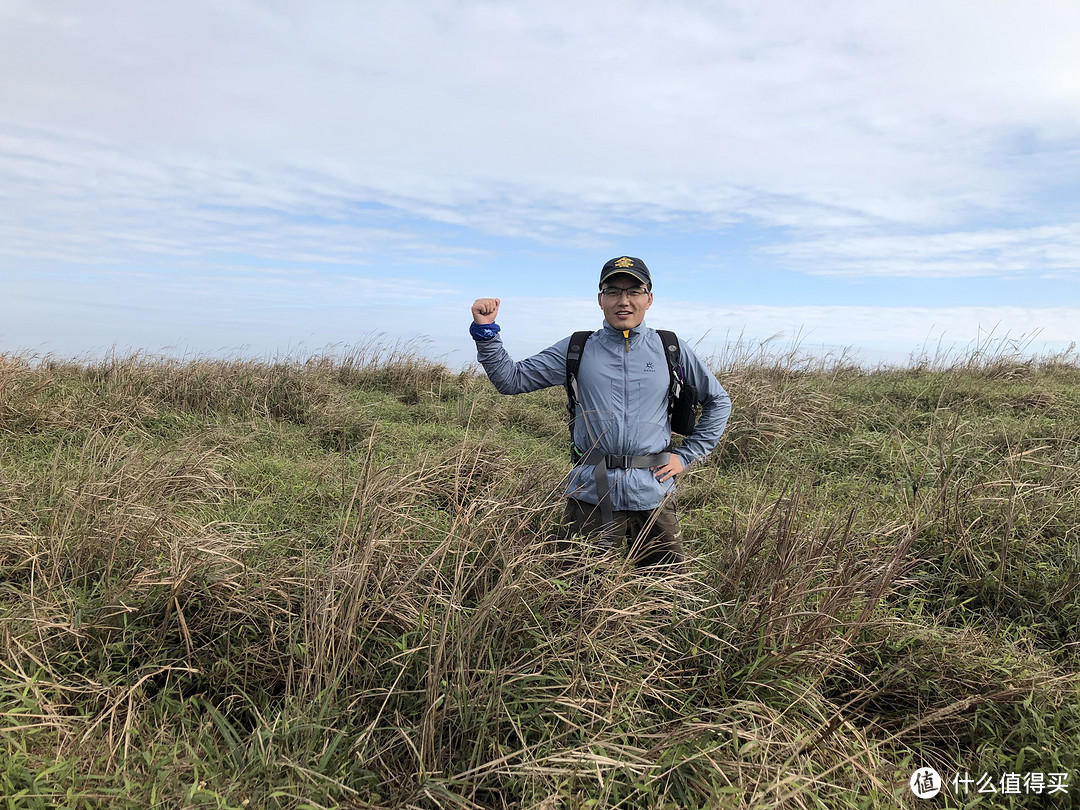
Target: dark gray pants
[{"x": 653, "y": 536}]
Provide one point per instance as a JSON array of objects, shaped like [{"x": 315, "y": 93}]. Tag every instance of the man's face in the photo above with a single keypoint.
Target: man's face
[{"x": 624, "y": 311}]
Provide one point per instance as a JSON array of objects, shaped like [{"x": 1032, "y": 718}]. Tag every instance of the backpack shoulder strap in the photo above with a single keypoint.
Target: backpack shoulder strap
[
  {"x": 573, "y": 353},
  {"x": 671, "y": 346},
  {"x": 573, "y": 363},
  {"x": 674, "y": 356}
]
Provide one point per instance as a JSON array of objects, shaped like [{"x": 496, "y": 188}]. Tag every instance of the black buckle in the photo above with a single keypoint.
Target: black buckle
[{"x": 618, "y": 462}]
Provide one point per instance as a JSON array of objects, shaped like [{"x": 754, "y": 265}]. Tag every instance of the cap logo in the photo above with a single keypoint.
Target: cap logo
[{"x": 624, "y": 262}]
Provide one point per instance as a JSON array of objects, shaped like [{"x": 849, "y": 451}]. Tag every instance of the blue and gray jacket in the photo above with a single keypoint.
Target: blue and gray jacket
[{"x": 622, "y": 404}]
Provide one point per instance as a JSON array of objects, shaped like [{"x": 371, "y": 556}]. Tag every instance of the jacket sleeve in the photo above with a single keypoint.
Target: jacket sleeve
[
  {"x": 715, "y": 408},
  {"x": 542, "y": 370}
]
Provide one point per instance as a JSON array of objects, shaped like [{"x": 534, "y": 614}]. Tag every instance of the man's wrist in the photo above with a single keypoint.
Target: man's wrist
[{"x": 483, "y": 331}]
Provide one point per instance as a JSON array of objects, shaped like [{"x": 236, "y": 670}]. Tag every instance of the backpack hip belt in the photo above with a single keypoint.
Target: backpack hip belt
[{"x": 604, "y": 462}]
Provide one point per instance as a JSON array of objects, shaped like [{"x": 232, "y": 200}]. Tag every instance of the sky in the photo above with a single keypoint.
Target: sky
[{"x": 277, "y": 179}]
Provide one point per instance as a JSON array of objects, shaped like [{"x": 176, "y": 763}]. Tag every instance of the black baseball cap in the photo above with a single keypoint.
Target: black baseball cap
[{"x": 630, "y": 266}]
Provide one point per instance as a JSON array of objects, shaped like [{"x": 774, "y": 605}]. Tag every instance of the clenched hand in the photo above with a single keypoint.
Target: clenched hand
[{"x": 484, "y": 310}]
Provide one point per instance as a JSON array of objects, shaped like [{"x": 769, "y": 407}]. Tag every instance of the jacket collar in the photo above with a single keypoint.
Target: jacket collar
[{"x": 611, "y": 330}]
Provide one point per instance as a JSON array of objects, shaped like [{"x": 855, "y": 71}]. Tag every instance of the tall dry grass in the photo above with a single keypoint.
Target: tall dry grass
[{"x": 328, "y": 582}]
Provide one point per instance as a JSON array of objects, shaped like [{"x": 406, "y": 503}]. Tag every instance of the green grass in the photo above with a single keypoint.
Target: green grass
[{"x": 326, "y": 582}]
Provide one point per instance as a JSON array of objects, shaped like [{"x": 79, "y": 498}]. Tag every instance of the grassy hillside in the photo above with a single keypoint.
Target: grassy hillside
[{"x": 325, "y": 583}]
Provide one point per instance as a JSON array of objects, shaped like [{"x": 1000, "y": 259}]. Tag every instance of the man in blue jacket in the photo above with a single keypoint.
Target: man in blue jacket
[{"x": 620, "y": 491}]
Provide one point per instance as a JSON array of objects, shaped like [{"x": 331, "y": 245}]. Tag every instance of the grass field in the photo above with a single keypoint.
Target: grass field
[{"x": 325, "y": 582}]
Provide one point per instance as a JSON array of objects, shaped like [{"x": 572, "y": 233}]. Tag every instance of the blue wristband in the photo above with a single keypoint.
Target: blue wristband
[{"x": 483, "y": 331}]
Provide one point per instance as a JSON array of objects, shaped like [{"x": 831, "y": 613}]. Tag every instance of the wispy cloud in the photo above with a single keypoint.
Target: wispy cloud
[
  {"x": 1049, "y": 250},
  {"x": 877, "y": 326},
  {"x": 887, "y": 111},
  {"x": 841, "y": 139},
  {"x": 81, "y": 201}
]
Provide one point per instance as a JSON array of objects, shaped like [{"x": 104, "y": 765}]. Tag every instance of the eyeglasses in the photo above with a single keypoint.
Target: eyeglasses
[{"x": 615, "y": 293}]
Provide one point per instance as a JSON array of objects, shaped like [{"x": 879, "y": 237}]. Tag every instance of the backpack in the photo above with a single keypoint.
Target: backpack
[{"x": 683, "y": 405}]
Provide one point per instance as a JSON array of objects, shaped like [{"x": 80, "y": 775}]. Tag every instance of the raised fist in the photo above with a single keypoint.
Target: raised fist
[{"x": 485, "y": 310}]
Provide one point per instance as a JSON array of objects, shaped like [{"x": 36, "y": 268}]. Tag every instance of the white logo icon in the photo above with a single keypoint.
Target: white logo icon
[{"x": 925, "y": 783}]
